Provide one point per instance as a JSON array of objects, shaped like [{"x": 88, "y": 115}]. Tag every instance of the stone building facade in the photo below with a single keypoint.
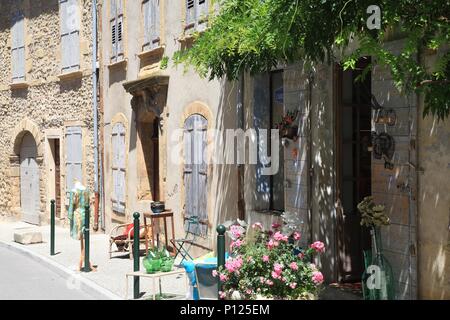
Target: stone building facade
[{"x": 45, "y": 105}]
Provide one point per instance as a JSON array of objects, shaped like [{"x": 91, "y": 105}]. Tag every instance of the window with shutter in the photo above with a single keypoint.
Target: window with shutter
[
  {"x": 74, "y": 156},
  {"x": 151, "y": 13},
  {"x": 196, "y": 13},
  {"x": 116, "y": 23},
  {"x": 195, "y": 169},
  {"x": 70, "y": 35},
  {"x": 118, "y": 167},
  {"x": 18, "y": 48}
]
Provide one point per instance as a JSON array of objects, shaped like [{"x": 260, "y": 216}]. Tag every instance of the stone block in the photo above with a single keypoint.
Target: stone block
[{"x": 27, "y": 236}]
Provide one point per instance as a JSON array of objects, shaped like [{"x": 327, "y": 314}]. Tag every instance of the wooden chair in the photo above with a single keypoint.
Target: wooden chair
[{"x": 125, "y": 242}]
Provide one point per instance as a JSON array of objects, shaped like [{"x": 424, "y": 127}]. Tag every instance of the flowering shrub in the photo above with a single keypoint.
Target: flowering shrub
[{"x": 269, "y": 265}]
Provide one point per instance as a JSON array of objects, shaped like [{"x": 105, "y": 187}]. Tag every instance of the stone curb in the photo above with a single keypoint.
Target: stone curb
[{"x": 86, "y": 285}]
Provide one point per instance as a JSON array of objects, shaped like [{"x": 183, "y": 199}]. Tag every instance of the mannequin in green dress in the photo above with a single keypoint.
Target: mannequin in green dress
[{"x": 79, "y": 197}]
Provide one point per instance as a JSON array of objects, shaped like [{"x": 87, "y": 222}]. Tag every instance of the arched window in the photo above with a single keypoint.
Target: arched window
[{"x": 118, "y": 167}]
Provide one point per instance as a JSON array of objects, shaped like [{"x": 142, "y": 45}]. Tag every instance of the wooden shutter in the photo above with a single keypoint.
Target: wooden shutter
[
  {"x": 118, "y": 167},
  {"x": 70, "y": 36},
  {"x": 116, "y": 25},
  {"x": 195, "y": 170},
  {"x": 202, "y": 10},
  {"x": 74, "y": 156},
  {"x": 151, "y": 24},
  {"x": 190, "y": 11},
  {"x": 18, "y": 48}
]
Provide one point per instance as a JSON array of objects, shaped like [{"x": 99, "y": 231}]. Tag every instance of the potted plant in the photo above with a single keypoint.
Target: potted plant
[
  {"x": 266, "y": 265},
  {"x": 288, "y": 129}
]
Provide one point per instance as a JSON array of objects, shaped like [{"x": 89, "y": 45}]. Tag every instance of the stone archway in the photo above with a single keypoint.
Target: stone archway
[{"x": 26, "y": 157}]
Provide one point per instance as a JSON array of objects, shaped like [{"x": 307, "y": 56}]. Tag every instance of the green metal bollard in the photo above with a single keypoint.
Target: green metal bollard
[
  {"x": 220, "y": 251},
  {"x": 87, "y": 265},
  {"x": 136, "y": 254},
  {"x": 52, "y": 227}
]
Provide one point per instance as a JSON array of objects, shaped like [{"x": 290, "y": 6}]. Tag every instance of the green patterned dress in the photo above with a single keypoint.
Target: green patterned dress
[{"x": 77, "y": 203}]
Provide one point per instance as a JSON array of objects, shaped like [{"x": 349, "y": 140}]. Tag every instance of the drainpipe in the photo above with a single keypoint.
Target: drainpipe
[{"x": 95, "y": 111}]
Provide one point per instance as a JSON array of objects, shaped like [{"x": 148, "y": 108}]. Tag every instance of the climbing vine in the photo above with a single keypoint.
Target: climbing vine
[{"x": 257, "y": 35}]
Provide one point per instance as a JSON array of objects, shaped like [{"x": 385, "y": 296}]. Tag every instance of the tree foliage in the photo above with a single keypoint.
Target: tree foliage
[{"x": 258, "y": 35}]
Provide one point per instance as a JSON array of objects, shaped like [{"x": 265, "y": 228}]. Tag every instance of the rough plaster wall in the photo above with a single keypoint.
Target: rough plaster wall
[
  {"x": 434, "y": 205},
  {"x": 48, "y": 102},
  {"x": 392, "y": 187}
]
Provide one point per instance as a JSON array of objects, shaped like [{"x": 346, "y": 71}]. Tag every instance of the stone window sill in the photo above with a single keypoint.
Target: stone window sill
[
  {"x": 18, "y": 85},
  {"x": 70, "y": 75},
  {"x": 118, "y": 64},
  {"x": 152, "y": 52}
]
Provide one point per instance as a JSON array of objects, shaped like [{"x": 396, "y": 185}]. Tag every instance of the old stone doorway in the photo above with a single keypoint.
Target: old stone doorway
[
  {"x": 54, "y": 178},
  {"x": 353, "y": 168},
  {"x": 29, "y": 180}
]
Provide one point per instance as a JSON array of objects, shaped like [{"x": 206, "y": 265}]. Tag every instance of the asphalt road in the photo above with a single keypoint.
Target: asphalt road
[{"x": 22, "y": 278}]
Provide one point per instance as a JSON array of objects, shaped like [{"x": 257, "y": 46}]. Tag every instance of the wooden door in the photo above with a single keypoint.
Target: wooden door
[
  {"x": 195, "y": 168},
  {"x": 29, "y": 180},
  {"x": 353, "y": 117}
]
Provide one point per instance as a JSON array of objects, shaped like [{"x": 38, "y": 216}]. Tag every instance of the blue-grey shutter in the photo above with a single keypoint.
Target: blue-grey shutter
[
  {"x": 261, "y": 120},
  {"x": 116, "y": 25},
  {"x": 190, "y": 11},
  {"x": 195, "y": 169},
  {"x": 155, "y": 32},
  {"x": 74, "y": 156},
  {"x": 18, "y": 48},
  {"x": 118, "y": 168},
  {"x": 120, "y": 29},
  {"x": 151, "y": 24},
  {"x": 70, "y": 36},
  {"x": 147, "y": 24},
  {"x": 202, "y": 9}
]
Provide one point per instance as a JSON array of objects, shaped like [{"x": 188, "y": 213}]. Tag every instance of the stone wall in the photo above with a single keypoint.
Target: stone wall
[{"x": 47, "y": 102}]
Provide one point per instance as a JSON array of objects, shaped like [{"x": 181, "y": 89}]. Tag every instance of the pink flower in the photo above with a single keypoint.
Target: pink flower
[
  {"x": 317, "y": 277},
  {"x": 278, "y": 236},
  {"x": 257, "y": 225},
  {"x": 248, "y": 291},
  {"x": 301, "y": 255},
  {"x": 318, "y": 246},
  {"x": 236, "y": 231},
  {"x": 229, "y": 266},
  {"x": 223, "y": 277},
  {"x": 293, "y": 266},
  {"x": 222, "y": 295},
  {"x": 275, "y": 226},
  {"x": 214, "y": 273},
  {"x": 265, "y": 258},
  {"x": 278, "y": 268},
  {"x": 269, "y": 282},
  {"x": 296, "y": 236},
  {"x": 283, "y": 279},
  {"x": 293, "y": 285},
  {"x": 236, "y": 244},
  {"x": 262, "y": 280},
  {"x": 313, "y": 266},
  {"x": 275, "y": 275}
]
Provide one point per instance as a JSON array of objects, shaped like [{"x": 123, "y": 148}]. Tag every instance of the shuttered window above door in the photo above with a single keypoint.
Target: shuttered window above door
[
  {"x": 18, "y": 48},
  {"x": 70, "y": 35},
  {"x": 152, "y": 28}
]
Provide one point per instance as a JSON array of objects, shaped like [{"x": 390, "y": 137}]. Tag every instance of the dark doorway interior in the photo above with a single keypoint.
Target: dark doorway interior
[{"x": 353, "y": 136}]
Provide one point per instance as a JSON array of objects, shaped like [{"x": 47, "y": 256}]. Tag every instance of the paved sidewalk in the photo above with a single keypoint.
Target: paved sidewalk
[{"x": 111, "y": 272}]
